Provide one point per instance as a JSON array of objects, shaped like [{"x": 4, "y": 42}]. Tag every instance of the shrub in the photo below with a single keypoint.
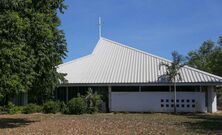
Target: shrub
[
  {"x": 93, "y": 101},
  {"x": 51, "y": 107},
  {"x": 77, "y": 106},
  {"x": 32, "y": 108},
  {"x": 12, "y": 109},
  {"x": 1, "y": 108},
  {"x": 15, "y": 109},
  {"x": 92, "y": 110},
  {"x": 63, "y": 107}
]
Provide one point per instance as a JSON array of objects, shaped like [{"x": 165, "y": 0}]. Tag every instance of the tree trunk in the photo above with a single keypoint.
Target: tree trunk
[{"x": 175, "y": 97}]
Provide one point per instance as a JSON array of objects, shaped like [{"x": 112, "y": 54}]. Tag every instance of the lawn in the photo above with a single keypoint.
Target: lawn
[{"x": 109, "y": 123}]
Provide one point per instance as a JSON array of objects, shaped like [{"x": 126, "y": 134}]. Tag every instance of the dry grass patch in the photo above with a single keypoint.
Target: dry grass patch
[{"x": 110, "y": 123}]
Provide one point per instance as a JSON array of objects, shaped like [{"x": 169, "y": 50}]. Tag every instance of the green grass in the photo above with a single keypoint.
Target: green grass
[{"x": 120, "y": 123}]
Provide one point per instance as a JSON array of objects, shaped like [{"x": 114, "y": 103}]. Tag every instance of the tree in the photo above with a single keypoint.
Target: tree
[
  {"x": 208, "y": 58},
  {"x": 172, "y": 71},
  {"x": 31, "y": 47},
  {"x": 202, "y": 58}
]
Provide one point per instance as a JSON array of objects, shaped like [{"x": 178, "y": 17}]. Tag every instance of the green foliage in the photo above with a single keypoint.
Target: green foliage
[
  {"x": 31, "y": 108},
  {"x": 207, "y": 57},
  {"x": 172, "y": 69},
  {"x": 1, "y": 109},
  {"x": 77, "y": 106},
  {"x": 63, "y": 107},
  {"x": 31, "y": 47},
  {"x": 93, "y": 100},
  {"x": 12, "y": 109},
  {"x": 15, "y": 109},
  {"x": 51, "y": 107},
  {"x": 92, "y": 110}
]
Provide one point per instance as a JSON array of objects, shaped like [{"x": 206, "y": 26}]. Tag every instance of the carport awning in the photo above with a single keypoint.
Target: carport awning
[{"x": 115, "y": 63}]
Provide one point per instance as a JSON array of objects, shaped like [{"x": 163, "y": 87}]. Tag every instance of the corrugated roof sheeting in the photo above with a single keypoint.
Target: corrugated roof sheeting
[{"x": 112, "y": 62}]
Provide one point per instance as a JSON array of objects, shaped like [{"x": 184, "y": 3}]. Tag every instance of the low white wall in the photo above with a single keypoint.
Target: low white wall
[{"x": 157, "y": 102}]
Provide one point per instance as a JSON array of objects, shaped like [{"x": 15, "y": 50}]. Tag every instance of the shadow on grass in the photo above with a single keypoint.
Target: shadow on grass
[
  {"x": 14, "y": 122},
  {"x": 201, "y": 123}
]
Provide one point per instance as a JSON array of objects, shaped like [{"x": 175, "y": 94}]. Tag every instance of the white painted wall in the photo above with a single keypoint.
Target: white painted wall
[{"x": 151, "y": 101}]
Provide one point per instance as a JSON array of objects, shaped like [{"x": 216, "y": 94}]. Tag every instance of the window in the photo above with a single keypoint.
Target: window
[{"x": 162, "y": 105}]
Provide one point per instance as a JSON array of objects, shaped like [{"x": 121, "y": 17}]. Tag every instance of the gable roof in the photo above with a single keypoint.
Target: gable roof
[{"x": 115, "y": 63}]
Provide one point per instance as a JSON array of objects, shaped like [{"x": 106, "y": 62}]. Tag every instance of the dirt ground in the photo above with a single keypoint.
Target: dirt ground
[{"x": 110, "y": 124}]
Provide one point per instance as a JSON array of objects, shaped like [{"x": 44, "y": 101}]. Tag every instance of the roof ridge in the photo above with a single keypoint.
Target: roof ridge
[
  {"x": 134, "y": 49},
  {"x": 109, "y": 64},
  {"x": 98, "y": 43},
  {"x": 158, "y": 57},
  {"x": 82, "y": 56},
  {"x": 74, "y": 60}
]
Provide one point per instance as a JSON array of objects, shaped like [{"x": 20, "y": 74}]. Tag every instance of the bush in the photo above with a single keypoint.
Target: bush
[
  {"x": 1, "y": 108},
  {"x": 92, "y": 110},
  {"x": 32, "y": 108},
  {"x": 93, "y": 102},
  {"x": 51, "y": 107},
  {"x": 15, "y": 109},
  {"x": 77, "y": 106},
  {"x": 63, "y": 107},
  {"x": 12, "y": 109}
]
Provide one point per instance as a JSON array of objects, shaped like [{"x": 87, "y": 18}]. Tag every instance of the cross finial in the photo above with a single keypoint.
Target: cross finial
[{"x": 100, "y": 27}]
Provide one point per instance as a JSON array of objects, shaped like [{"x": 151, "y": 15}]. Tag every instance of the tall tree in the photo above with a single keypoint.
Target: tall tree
[
  {"x": 207, "y": 57},
  {"x": 217, "y": 58},
  {"x": 31, "y": 46},
  {"x": 202, "y": 58},
  {"x": 172, "y": 72}
]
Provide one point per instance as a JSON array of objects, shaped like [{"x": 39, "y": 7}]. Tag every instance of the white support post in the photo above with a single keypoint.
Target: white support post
[
  {"x": 110, "y": 98},
  {"x": 67, "y": 94},
  {"x": 170, "y": 88},
  {"x": 212, "y": 99}
]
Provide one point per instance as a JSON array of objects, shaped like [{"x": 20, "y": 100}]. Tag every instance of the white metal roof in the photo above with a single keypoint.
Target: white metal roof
[{"x": 115, "y": 63}]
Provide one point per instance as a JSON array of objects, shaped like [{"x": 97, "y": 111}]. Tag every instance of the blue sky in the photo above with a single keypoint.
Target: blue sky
[{"x": 154, "y": 26}]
